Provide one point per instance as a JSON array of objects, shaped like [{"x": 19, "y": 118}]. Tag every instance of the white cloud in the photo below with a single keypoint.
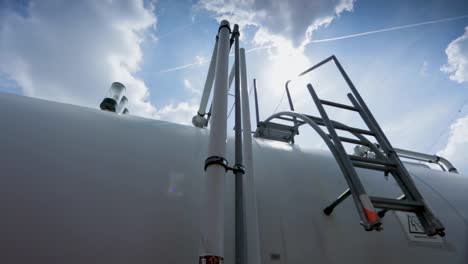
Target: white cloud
[
  {"x": 71, "y": 51},
  {"x": 295, "y": 19},
  {"x": 457, "y": 146},
  {"x": 189, "y": 87},
  {"x": 457, "y": 68},
  {"x": 188, "y": 84},
  {"x": 457, "y": 59},
  {"x": 283, "y": 29},
  {"x": 181, "y": 113}
]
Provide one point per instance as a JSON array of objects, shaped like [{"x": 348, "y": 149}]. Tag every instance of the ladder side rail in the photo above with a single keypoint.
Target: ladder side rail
[
  {"x": 407, "y": 187},
  {"x": 366, "y": 210},
  {"x": 385, "y": 144},
  {"x": 317, "y": 65},
  {"x": 431, "y": 224},
  {"x": 319, "y": 131}
]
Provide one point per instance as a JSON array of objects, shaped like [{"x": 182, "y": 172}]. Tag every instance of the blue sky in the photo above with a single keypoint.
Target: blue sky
[{"x": 414, "y": 79}]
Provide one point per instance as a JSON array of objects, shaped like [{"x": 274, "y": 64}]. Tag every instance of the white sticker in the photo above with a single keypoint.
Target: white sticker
[{"x": 414, "y": 230}]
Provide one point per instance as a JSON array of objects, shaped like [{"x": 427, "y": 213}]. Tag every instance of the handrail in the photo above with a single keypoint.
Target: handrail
[
  {"x": 444, "y": 163},
  {"x": 321, "y": 133},
  {"x": 314, "y": 125}
]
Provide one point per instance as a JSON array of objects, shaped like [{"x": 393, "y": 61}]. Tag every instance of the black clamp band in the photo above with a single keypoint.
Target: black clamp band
[
  {"x": 225, "y": 26},
  {"x": 200, "y": 114},
  {"x": 238, "y": 168},
  {"x": 235, "y": 32},
  {"x": 216, "y": 160}
]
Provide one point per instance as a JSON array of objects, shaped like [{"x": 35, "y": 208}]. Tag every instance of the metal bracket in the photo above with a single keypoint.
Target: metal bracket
[
  {"x": 218, "y": 161},
  {"x": 238, "y": 168}
]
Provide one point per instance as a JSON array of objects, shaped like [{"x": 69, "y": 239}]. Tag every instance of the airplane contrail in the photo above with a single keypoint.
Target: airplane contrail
[
  {"x": 336, "y": 38},
  {"x": 180, "y": 67},
  {"x": 370, "y": 32},
  {"x": 259, "y": 48},
  {"x": 389, "y": 29}
]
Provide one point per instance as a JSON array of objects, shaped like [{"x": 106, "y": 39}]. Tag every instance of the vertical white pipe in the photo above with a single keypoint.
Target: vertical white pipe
[
  {"x": 253, "y": 244},
  {"x": 212, "y": 218},
  {"x": 209, "y": 80},
  {"x": 199, "y": 119},
  {"x": 231, "y": 76}
]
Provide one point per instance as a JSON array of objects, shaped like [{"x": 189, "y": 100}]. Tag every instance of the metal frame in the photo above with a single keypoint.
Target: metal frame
[{"x": 386, "y": 160}]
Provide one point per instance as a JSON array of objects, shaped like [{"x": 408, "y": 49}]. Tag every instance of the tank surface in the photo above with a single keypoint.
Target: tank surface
[{"x": 80, "y": 185}]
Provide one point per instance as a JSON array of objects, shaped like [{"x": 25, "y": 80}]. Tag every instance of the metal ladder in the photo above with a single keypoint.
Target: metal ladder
[{"x": 387, "y": 161}]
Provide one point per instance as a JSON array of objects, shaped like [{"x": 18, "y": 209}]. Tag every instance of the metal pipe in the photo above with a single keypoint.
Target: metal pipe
[
  {"x": 231, "y": 75},
  {"x": 427, "y": 158},
  {"x": 257, "y": 115},
  {"x": 291, "y": 106},
  {"x": 122, "y": 105},
  {"x": 251, "y": 222},
  {"x": 238, "y": 168},
  {"x": 212, "y": 222},
  {"x": 199, "y": 120},
  {"x": 329, "y": 209},
  {"x": 286, "y": 86}
]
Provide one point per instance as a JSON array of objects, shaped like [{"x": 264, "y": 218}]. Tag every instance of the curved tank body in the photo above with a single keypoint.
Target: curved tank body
[{"x": 80, "y": 185}]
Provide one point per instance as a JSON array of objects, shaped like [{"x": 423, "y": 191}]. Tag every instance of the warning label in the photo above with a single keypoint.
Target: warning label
[
  {"x": 210, "y": 260},
  {"x": 414, "y": 230},
  {"x": 414, "y": 225}
]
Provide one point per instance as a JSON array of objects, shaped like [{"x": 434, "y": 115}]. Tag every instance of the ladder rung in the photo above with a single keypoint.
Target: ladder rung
[
  {"x": 353, "y": 129},
  {"x": 352, "y": 108},
  {"x": 320, "y": 122},
  {"x": 352, "y": 140},
  {"x": 395, "y": 204},
  {"x": 372, "y": 166},
  {"x": 372, "y": 161}
]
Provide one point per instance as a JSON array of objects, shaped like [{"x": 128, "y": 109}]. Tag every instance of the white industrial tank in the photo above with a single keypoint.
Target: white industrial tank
[{"x": 79, "y": 185}]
